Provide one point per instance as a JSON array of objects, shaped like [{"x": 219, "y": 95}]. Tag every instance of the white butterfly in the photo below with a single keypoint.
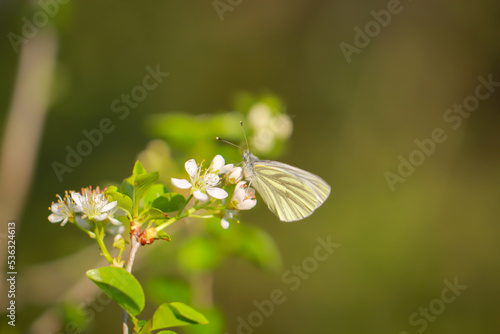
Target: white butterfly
[{"x": 290, "y": 192}]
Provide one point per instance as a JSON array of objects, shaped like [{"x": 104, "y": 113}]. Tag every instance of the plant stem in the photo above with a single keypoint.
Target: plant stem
[
  {"x": 188, "y": 213},
  {"x": 135, "y": 244},
  {"x": 99, "y": 234}
]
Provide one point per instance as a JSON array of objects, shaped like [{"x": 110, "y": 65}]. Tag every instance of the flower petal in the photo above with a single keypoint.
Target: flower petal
[
  {"x": 77, "y": 198},
  {"x": 191, "y": 167},
  {"x": 109, "y": 206},
  {"x": 246, "y": 204},
  {"x": 226, "y": 168},
  {"x": 235, "y": 175},
  {"x": 200, "y": 196},
  {"x": 114, "y": 221},
  {"x": 55, "y": 207},
  {"x": 64, "y": 221},
  {"x": 101, "y": 217},
  {"x": 239, "y": 192},
  {"x": 181, "y": 183},
  {"x": 55, "y": 219},
  {"x": 217, "y": 163},
  {"x": 218, "y": 193},
  {"x": 224, "y": 223},
  {"x": 211, "y": 180}
]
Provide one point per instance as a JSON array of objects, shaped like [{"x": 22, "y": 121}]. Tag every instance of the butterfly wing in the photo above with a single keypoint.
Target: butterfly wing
[{"x": 290, "y": 192}]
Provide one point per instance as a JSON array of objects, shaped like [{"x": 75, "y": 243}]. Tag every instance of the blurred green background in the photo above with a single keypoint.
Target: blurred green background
[{"x": 352, "y": 120}]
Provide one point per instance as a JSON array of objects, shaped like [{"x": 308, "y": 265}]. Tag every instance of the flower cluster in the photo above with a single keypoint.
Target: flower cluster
[
  {"x": 89, "y": 205},
  {"x": 204, "y": 183},
  {"x": 208, "y": 183}
]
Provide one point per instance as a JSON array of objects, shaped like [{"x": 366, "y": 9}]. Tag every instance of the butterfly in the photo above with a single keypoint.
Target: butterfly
[{"x": 289, "y": 192}]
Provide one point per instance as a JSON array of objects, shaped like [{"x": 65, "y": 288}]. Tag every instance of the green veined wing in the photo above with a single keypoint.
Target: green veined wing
[{"x": 290, "y": 192}]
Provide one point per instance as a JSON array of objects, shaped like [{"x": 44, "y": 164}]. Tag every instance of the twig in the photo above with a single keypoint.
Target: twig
[{"x": 133, "y": 251}]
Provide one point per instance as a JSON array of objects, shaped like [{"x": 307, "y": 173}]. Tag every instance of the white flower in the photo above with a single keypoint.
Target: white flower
[
  {"x": 234, "y": 175},
  {"x": 116, "y": 211},
  {"x": 63, "y": 210},
  {"x": 203, "y": 185},
  {"x": 243, "y": 197},
  {"x": 93, "y": 204}
]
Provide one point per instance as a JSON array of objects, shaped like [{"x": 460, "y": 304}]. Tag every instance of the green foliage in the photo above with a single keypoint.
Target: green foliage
[
  {"x": 153, "y": 193},
  {"x": 124, "y": 201},
  {"x": 176, "y": 314},
  {"x": 216, "y": 320},
  {"x": 150, "y": 207},
  {"x": 121, "y": 286},
  {"x": 169, "y": 202}
]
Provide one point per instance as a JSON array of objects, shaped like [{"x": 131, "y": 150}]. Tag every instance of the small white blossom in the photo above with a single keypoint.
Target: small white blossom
[
  {"x": 93, "y": 204},
  {"x": 203, "y": 184},
  {"x": 243, "y": 197},
  {"x": 234, "y": 175},
  {"x": 63, "y": 210}
]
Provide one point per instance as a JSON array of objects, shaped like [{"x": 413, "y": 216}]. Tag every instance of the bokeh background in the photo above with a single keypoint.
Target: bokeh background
[{"x": 352, "y": 120}]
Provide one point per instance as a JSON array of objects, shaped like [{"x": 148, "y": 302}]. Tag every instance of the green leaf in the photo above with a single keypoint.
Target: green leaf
[
  {"x": 128, "y": 187},
  {"x": 143, "y": 183},
  {"x": 176, "y": 314},
  {"x": 138, "y": 169},
  {"x": 169, "y": 202},
  {"x": 163, "y": 236},
  {"x": 216, "y": 320},
  {"x": 189, "y": 313},
  {"x": 124, "y": 201},
  {"x": 153, "y": 193},
  {"x": 156, "y": 214},
  {"x": 145, "y": 326},
  {"x": 121, "y": 286},
  {"x": 111, "y": 189}
]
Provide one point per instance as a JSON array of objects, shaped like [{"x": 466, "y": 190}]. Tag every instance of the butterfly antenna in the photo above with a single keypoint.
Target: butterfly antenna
[
  {"x": 244, "y": 134},
  {"x": 228, "y": 142}
]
